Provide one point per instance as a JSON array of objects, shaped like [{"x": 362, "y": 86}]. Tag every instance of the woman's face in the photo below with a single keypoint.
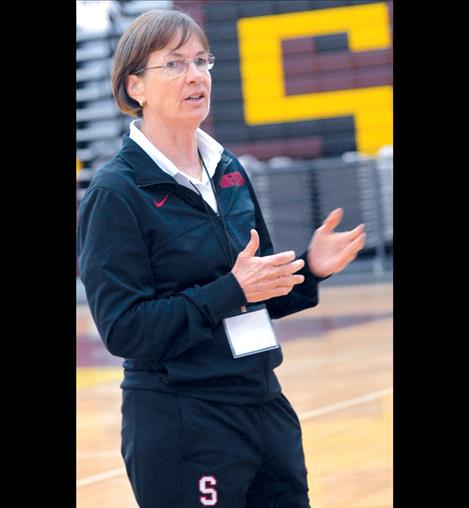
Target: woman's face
[{"x": 167, "y": 97}]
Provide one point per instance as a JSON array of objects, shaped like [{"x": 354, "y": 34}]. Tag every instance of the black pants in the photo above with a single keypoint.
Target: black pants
[{"x": 182, "y": 452}]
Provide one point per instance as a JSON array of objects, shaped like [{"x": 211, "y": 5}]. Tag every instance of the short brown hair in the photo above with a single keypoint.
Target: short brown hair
[{"x": 150, "y": 32}]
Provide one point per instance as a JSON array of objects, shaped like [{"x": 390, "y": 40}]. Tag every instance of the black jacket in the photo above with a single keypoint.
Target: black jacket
[{"x": 158, "y": 279}]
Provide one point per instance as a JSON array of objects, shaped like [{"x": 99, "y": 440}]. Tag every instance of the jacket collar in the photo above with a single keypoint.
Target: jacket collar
[{"x": 147, "y": 172}]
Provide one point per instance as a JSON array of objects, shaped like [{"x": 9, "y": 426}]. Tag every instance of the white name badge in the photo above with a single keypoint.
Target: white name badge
[{"x": 250, "y": 332}]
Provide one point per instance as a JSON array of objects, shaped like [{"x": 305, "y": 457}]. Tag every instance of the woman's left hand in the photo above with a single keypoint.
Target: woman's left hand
[{"x": 330, "y": 252}]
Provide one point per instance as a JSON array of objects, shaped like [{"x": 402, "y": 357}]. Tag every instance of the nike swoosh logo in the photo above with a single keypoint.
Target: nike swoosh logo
[{"x": 159, "y": 204}]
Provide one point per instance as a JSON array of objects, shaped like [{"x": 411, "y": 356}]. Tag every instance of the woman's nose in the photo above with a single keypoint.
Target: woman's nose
[{"x": 193, "y": 73}]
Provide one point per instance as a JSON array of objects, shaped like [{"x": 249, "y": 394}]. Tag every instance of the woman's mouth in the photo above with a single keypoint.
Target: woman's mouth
[{"x": 195, "y": 97}]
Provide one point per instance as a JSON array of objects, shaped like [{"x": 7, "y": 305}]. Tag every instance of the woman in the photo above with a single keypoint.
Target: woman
[{"x": 182, "y": 281}]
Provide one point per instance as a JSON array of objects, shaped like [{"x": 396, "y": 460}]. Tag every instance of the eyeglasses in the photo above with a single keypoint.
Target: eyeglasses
[{"x": 178, "y": 67}]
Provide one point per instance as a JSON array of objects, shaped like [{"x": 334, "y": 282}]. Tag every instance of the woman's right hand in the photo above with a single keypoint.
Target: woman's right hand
[{"x": 266, "y": 277}]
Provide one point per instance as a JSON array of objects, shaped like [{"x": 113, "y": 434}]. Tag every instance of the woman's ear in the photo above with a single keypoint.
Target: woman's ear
[{"x": 134, "y": 87}]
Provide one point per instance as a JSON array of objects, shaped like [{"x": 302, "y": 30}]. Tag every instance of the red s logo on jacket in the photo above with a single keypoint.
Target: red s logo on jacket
[{"x": 230, "y": 179}]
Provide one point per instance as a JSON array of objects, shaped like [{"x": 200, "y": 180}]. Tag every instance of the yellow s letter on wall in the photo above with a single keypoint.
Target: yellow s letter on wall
[{"x": 262, "y": 75}]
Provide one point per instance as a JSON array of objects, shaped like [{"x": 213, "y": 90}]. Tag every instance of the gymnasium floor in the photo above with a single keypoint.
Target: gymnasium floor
[{"x": 337, "y": 373}]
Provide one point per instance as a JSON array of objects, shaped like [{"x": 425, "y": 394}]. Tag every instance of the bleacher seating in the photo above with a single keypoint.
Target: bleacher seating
[
  {"x": 99, "y": 123},
  {"x": 296, "y": 196}
]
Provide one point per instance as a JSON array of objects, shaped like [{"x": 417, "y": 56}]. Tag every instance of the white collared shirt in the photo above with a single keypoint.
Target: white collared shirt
[{"x": 210, "y": 150}]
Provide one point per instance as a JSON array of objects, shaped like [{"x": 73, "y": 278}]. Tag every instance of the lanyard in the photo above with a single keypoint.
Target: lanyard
[
  {"x": 230, "y": 257},
  {"x": 229, "y": 254}
]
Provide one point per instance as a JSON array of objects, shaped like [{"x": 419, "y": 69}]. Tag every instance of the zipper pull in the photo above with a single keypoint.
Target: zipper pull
[{"x": 243, "y": 309}]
